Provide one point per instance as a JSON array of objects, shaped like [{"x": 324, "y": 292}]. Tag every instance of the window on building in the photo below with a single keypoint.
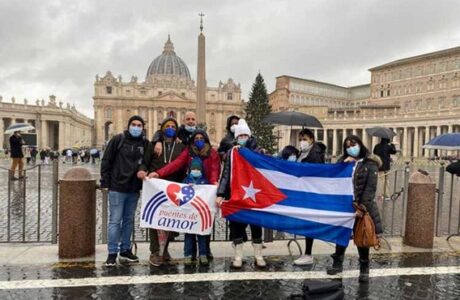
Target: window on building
[
  {"x": 108, "y": 113},
  {"x": 388, "y": 93},
  {"x": 381, "y": 93},
  {"x": 182, "y": 94},
  {"x": 229, "y": 96},
  {"x": 108, "y": 89},
  {"x": 160, "y": 93}
]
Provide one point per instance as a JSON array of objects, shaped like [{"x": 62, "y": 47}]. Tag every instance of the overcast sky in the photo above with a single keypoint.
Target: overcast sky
[{"x": 57, "y": 47}]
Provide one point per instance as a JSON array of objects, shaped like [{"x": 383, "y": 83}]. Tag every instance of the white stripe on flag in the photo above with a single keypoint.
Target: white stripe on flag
[
  {"x": 317, "y": 185},
  {"x": 334, "y": 218}
]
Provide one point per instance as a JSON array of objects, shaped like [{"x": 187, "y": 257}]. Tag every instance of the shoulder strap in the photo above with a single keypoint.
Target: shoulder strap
[{"x": 121, "y": 140}]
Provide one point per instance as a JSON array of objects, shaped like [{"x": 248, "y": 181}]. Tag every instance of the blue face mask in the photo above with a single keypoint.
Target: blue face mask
[
  {"x": 190, "y": 128},
  {"x": 242, "y": 142},
  {"x": 195, "y": 173},
  {"x": 199, "y": 144},
  {"x": 170, "y": 132},
  {"x": 135, "y": 131},
  {"x": 354, "y": 151}
]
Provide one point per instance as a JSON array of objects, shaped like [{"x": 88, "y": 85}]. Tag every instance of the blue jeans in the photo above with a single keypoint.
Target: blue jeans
[
  {"x": 122, "y": 207},
  {"x": 190, "y": 240}
]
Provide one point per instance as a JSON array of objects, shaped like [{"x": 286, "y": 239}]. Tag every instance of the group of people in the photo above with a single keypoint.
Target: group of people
[{"x": 184, "y": 154}]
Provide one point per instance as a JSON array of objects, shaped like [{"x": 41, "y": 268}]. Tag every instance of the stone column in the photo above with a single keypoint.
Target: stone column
[
  {"x": 155, "y": 121},
  {"x": 44, "y": 133},
  {"x": 62, "y": 137},
  {"x": 416, "y": 142},
  {"x": 365, "y": 138},
  {"x": 375, "y": 141},
  {"x": 427, "y": 139},
  {"x": 405, "y": 149},
  {"x": 450, "y": 128},
  {"x": 355, "y": 131},
  {"x": 325, "y": 138},
  {"x": 149, "y": 124},
  {"x": 334, "y": 142},
  {"x": 315, "y": 132},
  {"x": 438, "y": 133},
  {"x": 2, "y": 135}
]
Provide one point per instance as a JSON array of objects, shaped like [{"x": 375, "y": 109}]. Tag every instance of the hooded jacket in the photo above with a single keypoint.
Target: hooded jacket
[
  {"x": 228, "y": 140},
  {"x": 121, "y": 161},
  {"x": 316, "y": 154},
  {"x": 384, "y": 149},
  {"x": 152, "y": 163},
  {"x": 223, "y": 189},
  {"x": 365, "y": 179},
  {"x": 208, "y": 155}
]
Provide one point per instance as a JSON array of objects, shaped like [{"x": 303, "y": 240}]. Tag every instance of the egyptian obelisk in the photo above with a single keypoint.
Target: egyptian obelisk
[{"x": 201, "y": 76}]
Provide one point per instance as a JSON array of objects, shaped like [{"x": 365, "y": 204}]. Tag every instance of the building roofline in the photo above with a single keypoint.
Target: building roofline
[
  {"x": 322, "y": 82},
  {"x": 415, "y": 58}
]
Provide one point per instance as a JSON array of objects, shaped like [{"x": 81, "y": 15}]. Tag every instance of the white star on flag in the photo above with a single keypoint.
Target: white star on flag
[
  {"x": 250, "y": 192},
  {"x": 179, "y": 195}
]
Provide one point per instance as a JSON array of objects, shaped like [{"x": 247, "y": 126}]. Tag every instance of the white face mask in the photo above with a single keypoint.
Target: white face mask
[
  {"x": 292, "y": 158},
  {"x": 305, "y": 146},
  {"x": 232, "y": 128}
]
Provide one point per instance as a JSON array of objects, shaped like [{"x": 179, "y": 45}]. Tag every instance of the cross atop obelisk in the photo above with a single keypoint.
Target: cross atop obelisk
[{"x": 201, "y": 14}]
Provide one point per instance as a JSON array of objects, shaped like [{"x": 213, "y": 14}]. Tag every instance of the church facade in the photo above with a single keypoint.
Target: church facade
[{"x": 167, "y": 90}]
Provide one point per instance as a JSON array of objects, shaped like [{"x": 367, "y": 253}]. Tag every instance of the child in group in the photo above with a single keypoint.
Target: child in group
[{"x": 195, "y": 176}]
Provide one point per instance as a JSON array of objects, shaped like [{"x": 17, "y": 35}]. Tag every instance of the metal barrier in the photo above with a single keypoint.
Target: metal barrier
[{"x": 28, "y": 209}]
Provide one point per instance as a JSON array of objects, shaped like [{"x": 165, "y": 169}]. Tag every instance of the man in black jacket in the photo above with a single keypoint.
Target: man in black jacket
[
  {"x": 119, "y": 167},
  {"x": 16, "y": 142},
  {"x": 384, "y": 151}
]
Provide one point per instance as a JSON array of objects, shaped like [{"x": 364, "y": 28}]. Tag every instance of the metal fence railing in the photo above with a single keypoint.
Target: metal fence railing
[{"x": 29, "y": 207}]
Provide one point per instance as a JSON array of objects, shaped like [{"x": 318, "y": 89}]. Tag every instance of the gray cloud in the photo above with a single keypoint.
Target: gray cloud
[{"x": 57, "y": 47}]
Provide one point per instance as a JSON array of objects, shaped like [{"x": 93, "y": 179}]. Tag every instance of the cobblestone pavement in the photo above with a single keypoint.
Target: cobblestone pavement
[{"x": 396, "y": 276}]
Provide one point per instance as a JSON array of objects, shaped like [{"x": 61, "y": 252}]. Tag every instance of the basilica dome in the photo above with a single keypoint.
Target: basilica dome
[{"x": 168, "y": 63}]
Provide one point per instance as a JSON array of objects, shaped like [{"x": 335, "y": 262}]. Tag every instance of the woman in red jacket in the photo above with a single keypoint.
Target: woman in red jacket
[{"x": 199, "y": 146}]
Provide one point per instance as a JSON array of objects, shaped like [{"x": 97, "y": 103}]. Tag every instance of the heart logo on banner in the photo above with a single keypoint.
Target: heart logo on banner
[{"x": 178, "y": 195}]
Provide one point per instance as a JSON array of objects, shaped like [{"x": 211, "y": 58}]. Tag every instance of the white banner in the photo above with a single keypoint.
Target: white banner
[{"x": 178, "y": 207}]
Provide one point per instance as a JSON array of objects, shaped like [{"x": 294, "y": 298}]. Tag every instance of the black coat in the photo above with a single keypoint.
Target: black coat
[
  {"x": 223, "y": 190},
  {"x": 384, "y": 150},
  {"x": 365, "y": 185},
  {"x": 16, "y": 143},
  {"x": 121, "y": 161},
  {"x": 316, "y": 154}
]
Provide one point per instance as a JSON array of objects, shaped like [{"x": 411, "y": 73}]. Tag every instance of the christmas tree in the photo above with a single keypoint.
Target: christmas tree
[{"x": 257, "y": 109}]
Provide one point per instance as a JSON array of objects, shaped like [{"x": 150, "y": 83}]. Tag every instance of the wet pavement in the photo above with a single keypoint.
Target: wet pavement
[{"x": 393, "y": 276}]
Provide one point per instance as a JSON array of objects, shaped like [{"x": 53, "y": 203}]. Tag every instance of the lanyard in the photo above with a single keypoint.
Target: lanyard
[{"x": 170, "y": 155}]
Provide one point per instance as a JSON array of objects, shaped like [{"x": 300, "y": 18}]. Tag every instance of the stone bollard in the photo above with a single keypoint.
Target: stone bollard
[
  {"x": 77, "y": 214},
  {"x": 421, "y": 209}
]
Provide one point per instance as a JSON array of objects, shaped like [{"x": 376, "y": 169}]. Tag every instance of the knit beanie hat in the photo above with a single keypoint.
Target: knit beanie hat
[
  {"x": 137, "y": 118},
  {"x": 196, "y": 164},
  {"x": 242, "y": 128}
]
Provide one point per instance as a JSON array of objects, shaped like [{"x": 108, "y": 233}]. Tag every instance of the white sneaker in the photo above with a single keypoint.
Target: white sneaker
[{"x": 304, "y": 260}]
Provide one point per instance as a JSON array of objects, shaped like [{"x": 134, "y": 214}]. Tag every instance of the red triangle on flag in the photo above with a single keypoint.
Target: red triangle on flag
[{"x": 250, "y": 189}]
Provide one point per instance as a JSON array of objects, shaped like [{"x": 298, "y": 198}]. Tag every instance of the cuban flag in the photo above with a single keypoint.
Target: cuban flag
[{"x": 313, "y": 200}]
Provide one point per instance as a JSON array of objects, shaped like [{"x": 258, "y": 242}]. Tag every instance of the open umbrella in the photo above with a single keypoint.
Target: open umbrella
[
  {"x": 292, "y": 118},
  {"x": 381, "y": 132},
  {"x": 19, "y": 127},
  {"x": 447, "y": 141}
]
